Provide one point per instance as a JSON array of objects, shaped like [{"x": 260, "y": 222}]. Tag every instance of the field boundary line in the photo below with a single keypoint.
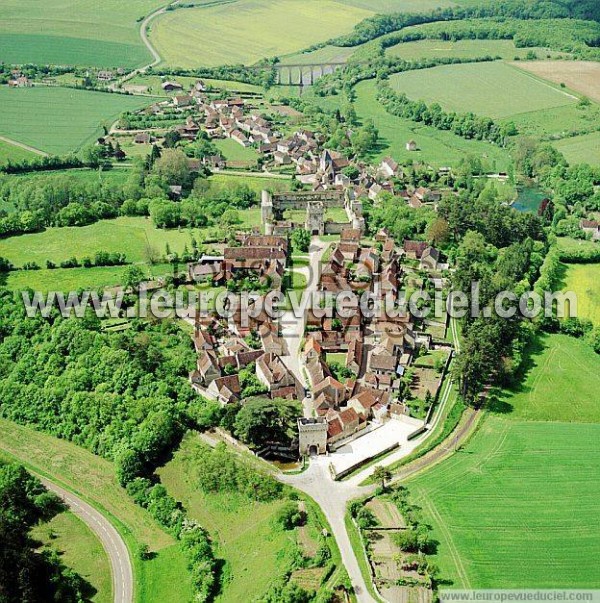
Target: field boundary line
[{"x": 24, "y": 146}]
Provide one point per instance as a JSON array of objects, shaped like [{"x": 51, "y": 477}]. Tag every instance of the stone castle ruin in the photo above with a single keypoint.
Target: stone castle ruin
[{"x": 316, "y": 203}]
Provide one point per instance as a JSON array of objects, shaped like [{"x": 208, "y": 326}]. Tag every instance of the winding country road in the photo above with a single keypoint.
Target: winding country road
[{"x": 122, "y": 571}]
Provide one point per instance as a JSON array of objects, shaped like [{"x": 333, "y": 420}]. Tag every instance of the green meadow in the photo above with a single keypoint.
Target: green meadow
[
  {"x": 74, "y": 32},
  {"x": 219, "y": 34},
  {"x": 494, "y": 90},
  {"x": 581, "y": 149},
  {"x": 435, "y": 147},
  {"x": 132, "y": 236},
  {"x": 73, "y": 279},
  {"x": 163, "y": 578},
  {"x": 11, "y": 152},
  {"x": 237, "y": 155},
  {"x": 584, "y": 281},
  {"x": 80, "y": 549},
  {"x": 517, "y": 505},
  {"x": 60, "y": 120},
  {"x": 460, "y": 49},
  {"x": 254, "y": 550}
]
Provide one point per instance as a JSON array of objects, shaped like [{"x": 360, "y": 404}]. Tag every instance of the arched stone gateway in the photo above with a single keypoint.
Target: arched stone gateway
[{"x": 312, "y": 436}]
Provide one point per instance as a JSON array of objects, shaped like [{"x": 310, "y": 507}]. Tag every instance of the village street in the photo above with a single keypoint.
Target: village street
[{"x": 293, "y": 326}]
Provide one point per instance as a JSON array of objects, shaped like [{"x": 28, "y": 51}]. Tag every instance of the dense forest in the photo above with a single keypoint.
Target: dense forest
[{"x": 27, "y": 574}]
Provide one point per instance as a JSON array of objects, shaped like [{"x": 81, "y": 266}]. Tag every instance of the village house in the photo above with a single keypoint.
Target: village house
[
  {"x": 271, "y": 371},
  {"x": 171, "y": 86},
  {"x": 226, "y": 389},
  {"x": 183, "y": 100},
  {"x": 388, "y": 167},
  {"x": 591, "y": 228},
  {"x": 430, "y": 259}
]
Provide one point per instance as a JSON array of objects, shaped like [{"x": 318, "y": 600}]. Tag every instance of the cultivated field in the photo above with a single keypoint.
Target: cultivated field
[
  {"x": 494, "y": 90},
  {"x": 517, "y": 506},
  {"x": 581, "y": 76},
  {"x": 60, "y": 120},
  {"x": 219, "y": 34},
  {"x": 435, "y": 147},
  {"x": 581, "y": 149},
  {"x": 461, "y": 49},
  {"x": 584, "y": 281},
  {"x": 74, "y": 32},
  {"x": 13, "y": 153}
]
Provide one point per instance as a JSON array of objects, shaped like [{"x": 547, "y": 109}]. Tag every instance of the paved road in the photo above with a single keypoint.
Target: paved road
[
  {"x": 156, "y": 58},
  {"x": 333, "y": 497},
  {"x": 292, "y": 327},
  {"x": 122, "y": 571}
]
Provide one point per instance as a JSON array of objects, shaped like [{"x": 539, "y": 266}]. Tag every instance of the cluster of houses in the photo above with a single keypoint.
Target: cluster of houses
[
  {"x": 18, "y": 80},
  {"x": 226, "y": 346},
  {"x": 377, "y": 350}
]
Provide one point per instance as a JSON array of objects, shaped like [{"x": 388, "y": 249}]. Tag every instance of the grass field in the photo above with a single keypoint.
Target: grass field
[
  {"x": 495, "y": 90},
  {"x": 236, "y": 155},
  {"x": 461, "y": 49},
  {"x": 435, "y": 147},
  {"x": 517, "y": 507},
  {"x": 584, "y": 280},
  {"x": 74, "y": 32},
  {"x": 132, "y": 236},
  {"x": 336, "y": 54},
  {"x": 256, "y": 183},
  {"x": 397, "y": 6},
  {"x": 581, "y": 149},
  {"x": 73, "y": 279},
  {"x": 80, "y": 549},
  {"x": 581, "y": 76},
  {"x": 242, "y": 530},
  {"x": 165, "y": 577},
  {"x": 220, "y": 34},
  {"x": 60, "y": 120},
  {"x": 13, "y": 153}
]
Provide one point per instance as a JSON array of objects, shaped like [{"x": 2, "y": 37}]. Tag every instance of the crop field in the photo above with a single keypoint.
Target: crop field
[
  {"x": 80, "y": 549},
  {"x": 460, "y": 49},
  {"x": 13, "y": 153},
  {"x": 435, "y": 147},
  {"x": 527, "y": 474},
  {"x": 494, "y": 90},
  {"x": 581, "y": 149},
  {"x": 581, "y": 76},
  {"x": 60, "y": 120},
  {"x": 219, "y": 34},
  {"x": 584, "y": 281},
  {"x": 243, "y": 531},
  {"x": 74, "y": 32}
]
